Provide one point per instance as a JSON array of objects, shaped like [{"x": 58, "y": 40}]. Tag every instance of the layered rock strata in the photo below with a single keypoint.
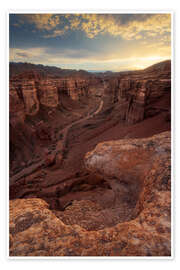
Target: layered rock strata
[
  {"x": 131, "y": 92},
  {"x": 134, "y": 93},
  {"x": 48, "y": 93},
  {"x": 38, "y": 91}
]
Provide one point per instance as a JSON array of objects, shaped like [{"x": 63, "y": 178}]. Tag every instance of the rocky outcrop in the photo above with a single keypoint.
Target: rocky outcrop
[
  {"x": 38, "y": 91},
  {"x": 43, "y": 101},
  {"x": 16, "y": 108},
  {"x": 142, "y": 165},
  {"x": 36, "y": 100},
  {"x": 75, "y": 88},
  {"x": 48, "y": 93},
  {"x": 133, "y": 92},
  {"x": 30, "y": 99}
]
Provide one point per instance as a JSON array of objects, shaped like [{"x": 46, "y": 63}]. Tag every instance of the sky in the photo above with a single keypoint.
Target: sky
[{"x": 115, "y": 42}]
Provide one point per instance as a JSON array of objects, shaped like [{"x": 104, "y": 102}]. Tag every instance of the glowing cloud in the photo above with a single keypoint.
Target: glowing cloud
[
  {"x": 91, "y": 41},
  {"x": 150, "y": 25}
]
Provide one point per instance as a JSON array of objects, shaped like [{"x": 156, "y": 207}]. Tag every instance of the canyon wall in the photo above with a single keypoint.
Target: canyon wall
[
  {"x": 109, "y": 194},
  {"x": 27, "y": 95},
  {"x": 132, "y": 92},
  {"x": 41, "y": 104},
  {"x": 136, "y": 92}
]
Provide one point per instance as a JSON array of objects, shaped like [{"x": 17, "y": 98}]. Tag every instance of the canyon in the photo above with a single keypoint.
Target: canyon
[{"x": 90, "y": 161}]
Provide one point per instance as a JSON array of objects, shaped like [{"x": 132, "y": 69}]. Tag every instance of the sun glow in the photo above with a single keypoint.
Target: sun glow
[
  {"x": 116, "y": 42},
  {"x": 142, "y": 63}
]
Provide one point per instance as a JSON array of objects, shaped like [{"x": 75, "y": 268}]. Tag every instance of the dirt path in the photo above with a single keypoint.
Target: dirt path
[{"x": 60, "y": 147}]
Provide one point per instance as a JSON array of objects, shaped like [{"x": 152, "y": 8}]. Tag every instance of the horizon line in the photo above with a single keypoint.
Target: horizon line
[{"x": 88, "y": 70}]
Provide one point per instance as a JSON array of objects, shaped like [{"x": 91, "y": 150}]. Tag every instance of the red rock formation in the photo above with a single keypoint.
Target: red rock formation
[
  {"x": 48, "y": 93},
  {"x": 117, "y": 202},
  {"x": 36, "y": 97},
  {"x": 140, "y": 164},
  {"x": 41, "y": 106},
  {"x": 16, "y": 108},
  {"x": 30, "y": 99},
  {"x": 133, "y": 91}
]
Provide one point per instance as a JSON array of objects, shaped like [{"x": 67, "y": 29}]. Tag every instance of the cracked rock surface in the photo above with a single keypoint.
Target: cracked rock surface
[{"x": 138, "y": 171}]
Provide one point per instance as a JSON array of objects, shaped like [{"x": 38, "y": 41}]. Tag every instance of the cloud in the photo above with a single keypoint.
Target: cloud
[
  {"x": 26, "y": 55},
  {"x": 55, "y": 33},
  {"x": 40, "y": 21},
  {"x": 104, "y": 41},
  {"x": 22, "y": 55},
  {"x": 126, "y": 26},
  {"x": 83, "y": 59},
  {"x": 94, "y": 24}
]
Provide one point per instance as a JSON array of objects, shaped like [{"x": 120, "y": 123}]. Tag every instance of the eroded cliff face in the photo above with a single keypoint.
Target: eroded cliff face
[
  {"x": 142, "y": 165},
  {"x": 76, "y": 88},
  {"x": 135, "y": 92},
  {"x": 16, "y": 108},
  {"x": 36, "y": 91},
  {"x": 37, "y": 101},
  {"x": 42, "y": 105},
  {"x": 29, "y": 93},
  {"x": 48, "y": 93},
  {"x": 113, "y": 200}
]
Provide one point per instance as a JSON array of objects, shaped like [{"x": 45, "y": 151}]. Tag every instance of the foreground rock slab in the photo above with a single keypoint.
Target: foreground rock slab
[{"x": 141, "y": 163}]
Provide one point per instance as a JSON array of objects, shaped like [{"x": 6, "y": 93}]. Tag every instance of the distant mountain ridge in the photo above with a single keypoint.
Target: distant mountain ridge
[
  {"x": 161, "y": 66},
  {"x": 20, "y": 67},
  {"x": 99, "y": 71}
]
